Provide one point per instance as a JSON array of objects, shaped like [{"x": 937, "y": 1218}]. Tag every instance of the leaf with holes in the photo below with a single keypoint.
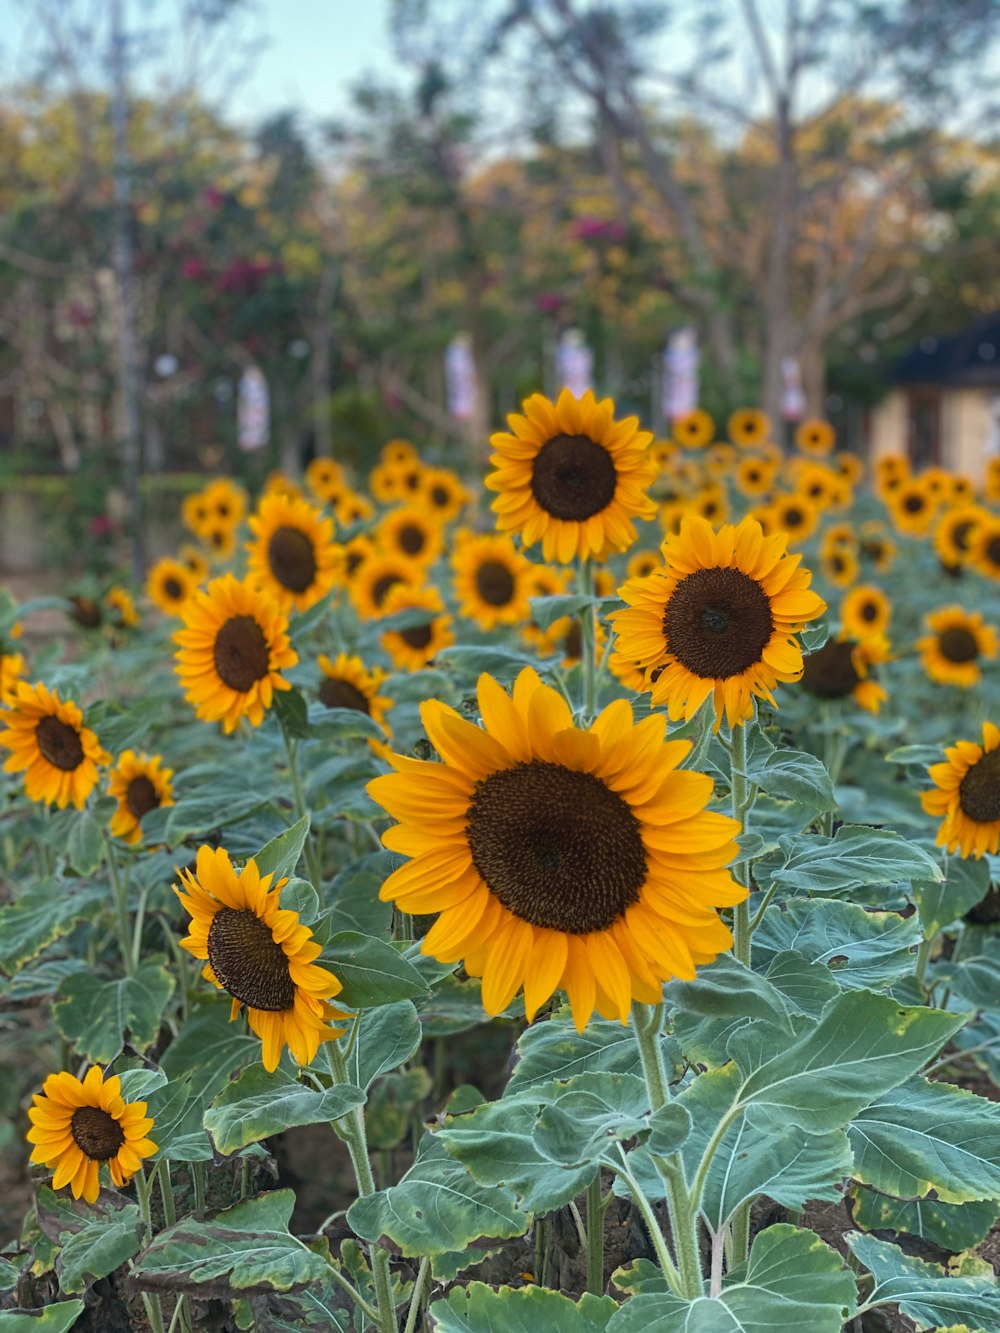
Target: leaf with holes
[
  {"x": 861, "y": 949},
  {"x": 98, "y": 1250},
  {"x": 922, "y": 1291},
  {"x": 99, "y": 1017}
]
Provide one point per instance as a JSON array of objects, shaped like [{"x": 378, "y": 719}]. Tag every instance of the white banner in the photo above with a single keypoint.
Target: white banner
[
  {"x": 793, "y": 400},
  {"x": 253, "y": 410},
  {"x": 681, "y": 359},
  {"x": 574, "y": 363},
  {"x": 460, "y": 378}
]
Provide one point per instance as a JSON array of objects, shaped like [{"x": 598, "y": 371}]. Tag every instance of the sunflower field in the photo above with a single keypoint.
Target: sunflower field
[{"x": 564, "y": 897}]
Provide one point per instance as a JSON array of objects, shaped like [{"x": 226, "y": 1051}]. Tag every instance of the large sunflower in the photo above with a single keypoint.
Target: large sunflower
[
  {"x": 493, "y": 581},
  {"x": 49, "y": 744},
  {"x": 958, "y": 642},
  {"x": 865, "y": 610},
  {"x": 967, "y": 793},
  {"x": 558, "y": 858},
  {"x": 843, "y": 667},
  {"x": 259, "y": 953},
  {"x": 719, "y": 619},
  {"x": 169, "y": 584},
  {"x": 233, "y": 647},
  {"x": 571, "y": 476},
  {"x": 77, "y": 1126},
  {"x": 293, "y": 557},
  {"x": 412, "y": 648},
  {"x": 411, "y": 533},
  {"x": 139, "y": 783},
  {"x": 347, "y": 683}
]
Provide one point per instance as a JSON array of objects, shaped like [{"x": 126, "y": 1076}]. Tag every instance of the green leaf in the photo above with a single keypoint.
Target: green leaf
[
  {"x": 473, "y": 659},
  {"x": 789, "y": 775},
  {"x": 342, "y": 724},
  {"x": 246, "y": 1249},
  {"x": 436, "y": 1207},
  {"x": 388, "y": 1036},
  {"x": 259, "y": 1104},
  {"x": 99, "y": 1017},
  {"x": 281, "y": 855},
  {"x": 545, "y": 611},
  {"x": 354, "y": 894},
  {"x": 861, "y": 949},
  {"x": 52, "y": 1319},
  {"x": 944, "y": 901},
  {"x": 9, "y": 1275},
  {"x": 920, "y": 755},
  {"x": 454, "y": 1005},
  {"x": 43, "y": 913},
  {"x": 98, "y": 1250},
  {"x": 953, "y": 1226},
  {"x": 391, "y": 1104},
  {"x": 976, "y": 976},
  {"x": 481, "y": 1309},
  {"x": 856, "y": 857},
  {"x": 792, "y": 1282},
  {"x": 922, "y": 1291},
  {"x": 727, "y": 989},
  {"x": 299, "y": 896},
  {"x": 927, "y": 1136},
  {"x": 292, "y": 712},
  {"x": 125, "y": 730},
  {"x": 585, "y": 1116},
  {"x": 372, "y": 972},
  {"x": 208, "y": 1049},
  {"x": 85, "y": 847},
  {"x": 177, "y": 1120},
  {"x": 555, "y": 1050}
]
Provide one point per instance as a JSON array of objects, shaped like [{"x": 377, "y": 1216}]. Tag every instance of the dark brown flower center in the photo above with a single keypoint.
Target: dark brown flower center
[
  {"x": 914, "y": 504},
  {"x": 142, "y": 796},
  {"x": 717, "y": 622},
  {"x": 380, "y": 589},
  {"x": 558, "y": 848},
  {"x": 573, "y": 642},
  {"x": 829, "y": 673},
  {"x": 355, "y": 560},
  {"x": 494, "y": 583},
  {"x": 97, "y": 1134},
  {"x": 337, "y": 693},
  {"x": 979, "y": 791},
  {"x": 248, "y": 961},
  {"x": 86, "y": 612},
  {"x": 793, "y": 517},
  {"x": 173, "y": 589},
  {"x": 993, "y": 551},
  {"x": 961, "y": 533},
  {"x": 219, "y": 538},
  {"x": 59, "y": 743},
  {"x": 292, "y": 558},
  {"x": 573, "y": 477},
  {"x": 241, "y": 653},
  {"x": 958, "y": 644},
  {"x": 412, "y": 539},
  {"x": 869, "y": 612},
  {"x": 440, "y": 497},
  {"x": 418, "y": 636}
]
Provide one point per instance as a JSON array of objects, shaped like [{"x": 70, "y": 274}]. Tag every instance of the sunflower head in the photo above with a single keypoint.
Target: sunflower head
[
  {"x": 913, "y": 506},
  {"x": 815, "y": 437},
  {"x": 493, "y": 581},
  {"x": 984, "y": 548},
  {"x": 375, "y": 576},
  {"x": 754, "y": 476},
  {"x": 293, "y": 556},
  {"x": 956, "y": 646},
  {"x": 411, "y": 533},
  {"x": 119, "y": 602},
  {"x": 226, "y": 501},
  {"x": 79, "y": 1125},
  {"x": 795, "y": 517},
  {"x": 325, "y": 479},
  {"x": 348, "y": 683},
  {"x": 12, "y": 668},
  {"x": 748, "y": 426},
  {"x": 849, "y": 466},
  {"x": 139, "y": 783},
  {"x": 966, "y": 794},
  {"x": 694, "y": 429},
  {"x": 843, "y": 668},
  {"x": 352, "y": 508},
  {"x": 49, "y": 744},
  {"x": 195, "y": 561},
  {"x": 865, "y": 610},
  {"x": 443, "y": 496},
  {"x": 169, "y": 584},
  {"x": 840, "y": 565}
]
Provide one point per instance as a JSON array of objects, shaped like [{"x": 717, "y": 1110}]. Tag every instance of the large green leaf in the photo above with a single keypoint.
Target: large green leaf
[
  {"x": 281, "y": 855},
  {"x": 208, "y": 1048},
  {"x": 372, "y": 971},
  {"x": 922, "y": 1291},
  {"x": 954, "y": 1226},
  {"x": 857, "y": 857},
  {"x": 861, "y": 949},
  {"x": 481, "y": 1309},
  {"x": 244, "y": 1249},
  {"x": 555, "y": 1050},
  {"x": 392, "y": 1105},
  {"x": 586, "y": 1115},
  {"x": 727, "y": 989},
  {"x": 975, "y": 976},
  {"x": 793, "y": 1282},
  {"x": 98, "y": 1017},
  {"x": 177, "y": 1123},
  {"x": 354, "y": 894},
  {"x": 789, "y": 775},
  {"x": 454, "y": 1005},
  {"x": 98, "y": 1250},
  {"x": 943, "y": 901},
  {"x": 436, "y": 1207},
  {"x": 85, "y": 845},
  {"x": 387, "y": 1037},
  {"x": 929, "y": 1136},
  {"x": 259, "y": 1104},
  {"x": 52, "y": 1319},
  {"x": 42, "y": 913}
]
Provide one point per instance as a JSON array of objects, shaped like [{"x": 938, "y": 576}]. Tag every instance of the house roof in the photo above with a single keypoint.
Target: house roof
[{"x": 969, "y": 358}]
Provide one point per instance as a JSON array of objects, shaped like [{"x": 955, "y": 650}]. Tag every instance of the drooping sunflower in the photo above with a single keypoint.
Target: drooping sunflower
[
  {"x": 843, "y": 667},
  {"x": 694, "y": 429},
  {"x": 558, "y": 858},
  {"x": 795, "y": 516},
  {"x": 325, "y": 479},
  {"x": 748, "y": 426},
  {"x": 348, "y": 683},
  {"x": 169, "y": 584},
  {"x": 840, "y": 566},
  {"x": 954, "y": 531},
  {"x": 957, "y": 645},
  {"x": 984, "y": 548},
  {"x": 293, "y": 556},
  {"x": 815, "y": 437},
  {"x": 139, "y": 783},
  {"x": 720, "y": 619},
  {"x": 232, "y": 650},
  {"x": 572, "y": 477},
  {"x": 912, "y": 507},
  {"x": 865, "y": 610},
  {"x": 119, "y": 601},
  {"x": 412, "y": 648},
  {"x": 260, "y": 954},
  {"x": 443, "y": 496},
  {"x": 492, "y": 581},
  {"x": 49, "y": 744},
  {"x": 372, "y": 579},
  {"x": 409, "y": 532},
  {"x": 967, "y": 793},
  {"x": 12, "y": 668},
  {"x": 78, "y": 1126},
  {"x": 754, "y": 476}
]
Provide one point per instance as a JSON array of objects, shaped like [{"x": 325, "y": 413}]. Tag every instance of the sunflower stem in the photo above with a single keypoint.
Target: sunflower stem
[
  {"x": 683, "y": 1213},
  {"x": 418, "y": 1291},
  {"x": 301, "y": 809},
  {"x": 166, "y": 1191},
  {"x": 198, "y": 1185},
  {"x": 595, "y": 1237},
  {"x": 742, "y": 798},
  {"x": 119, "y": 895},
  {"x": 143, "y": 1194},
  {"x": 589, "y": 636},
  {"x": 647, "y": 1019},
  {"x": 663, "y": 1255}
]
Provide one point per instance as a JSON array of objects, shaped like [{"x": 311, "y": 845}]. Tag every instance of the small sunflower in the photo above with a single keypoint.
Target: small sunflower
[
  {"x": 276, "y": 483},
  {"x": 347, "y": 683},
  {"x": 748, "y": 427},
  {"x": 77, "y": 1126},
  {"x": 877, "y": 546},
  {"x": 954, "y": 531},
  {"x": 411, "y": 649},
  {"x": 443, "y": 496},
  {"x": 642, "y": 564},
  {"x": 194, "y": 560},
  {"x": 325, "y": 479},
  {"x": 913, "y": 506},
  {"x": 195, "y": 513},
  {"x": 720, "y": 619},
  {"x": 891, "y": 470},
  {"x": 963, "y": 490},
  {"x": 169, "y": 584},
  {"x": 49, "y": 744},
  {"x": 410, "y": 479},
  {"x": 352, "y": 508},
  {"x": 849, "y": 466},
  {"x": 558, "y": 858},
  {"x": 710, "y": 503},
  {"x": 226, "y": 501},
  {"x": 370, "y": 583},
  {"x": 260, "y": 954},
  {"x": 571, "y": 476},
  {"x": 754, "y": 476},
  {"x": 12, "y": 668},
  {"x": 967, "y": 793},
  {"x": 356, "y": 552},
  {"x": 840, "y": 566},
  {"x": 493, "y": 582},
  {"x": 865, "y": 610},
  {"x": 959, "y": 641},
  {"x": 411, "y": 533},
  {"x": 984, "y": 548},
  {"x": 840, "y": 537},
  {"x": 720, "y": 459},
  {"x": 399, "y": 450},
  {"x": 694, "y": 429},
  {"x": 383, "y": 482},
  {"x": 662, "y": 453},
  {"x": 139, "y": 783},
  {"x": 843, "y": 667},
  {"x": 231, "y": 652},
  {"x": 815, "y": 437},
  {"x": 220, "y": 541},
  {"x": 293, "y": 556},
  {"x": 119, "y": 601},
  {"x": 795, "y": 516}
]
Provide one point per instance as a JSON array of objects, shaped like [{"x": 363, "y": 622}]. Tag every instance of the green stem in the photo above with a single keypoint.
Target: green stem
[
  {"x": 595, "y": 1237},
  {"x": 742, "y": 798},
  {"x": 301, "y": 810},
  {"x": 119, "y": 896},
  {"x": 648, "y": 1022},
  {"x": 140, "y": 916},
  {"x": 354, "y": 1294},
  {"x": 652, "y": 1225},
  {"x": 923, "y": 957},
  {"x": 143, "y": 1194},
  {"x": 198, "y": 1184},
  {"x": 589, "y": 636},
  {"x": 166, "y": 1191},
  {"x": 418, "y": 1289}
]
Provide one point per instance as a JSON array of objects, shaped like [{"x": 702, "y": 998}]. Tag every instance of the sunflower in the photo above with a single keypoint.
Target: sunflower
[
  {"x": 954, "y": 531},
  {"x": 443, "y": 496},
  {"x": 276, "y": 483},
  {"x": 720, "y": 459},
  {"x": 963, "y": 490},
  {"x": 843, "y": 666},
  {"x": 169, "y": 584},
  {"x": 139, "y": 783},
  {"x": 663, "y": 452},
  {"x": 984, "y": 548},
  {"x": 373, "y": 578},
  {"x": 194, "y": 560},
  {"x": 891, "y": 470},
  {"x": 195, "y": 513},
  {"x": 815, "y": 437},
  {"x": 85, "y": 612},
  {"x": 824, "y": 488},
  {"x": 383, "y": 482},
  {"x": 967, "y": 793},
  {"x": 840, "y": 537},
  {"x": 795, "y": 517},
  {"x": 409, "y": 532},
  {"x": 356, "y": 552},
  {"x": 642, "y": 564},
  {"x": 864, "y": 611},
  {"x": 412, "y": 648},
  {"x": 492, "y": 582},
  {"x": 958, "y": 642},
  {"x": 226, "y": 501},
  {"x": 694, "y": 429},
  {"x": 754, "y": 476},
  {"x": 399, "y": 450},
  {"x": 232, "y": 649},
  {"x": 991, "y": 479},
  {"x": 260, "y": 954},
  {"x": 220, "y": 541},
  {"x": 293, "y": 557},
  {"x": 840, "y": 566},
  {"x": 877, "y": 546},
  {"x": 119, "y": 601},
  {"x": 571, "y": 476},
  {"x": 748, "y": 426},
  {"x": 325, "y": 479},
  {"x": 49, "y": 744},
  {"x": 848, "y": 466},
  {"x": 912, "y": 506},
  {"x": 12, "y": 668},
  {"x": 76, "y": 1126},
  {"x": 352, "y": 508},
  {"x": 938, "y": 482},
  {"x": 711, "y": 504},
  {"x": 558, "y": 858},
  {"x": 347, "y": 683},
  {"x": 719, "y": 618}
]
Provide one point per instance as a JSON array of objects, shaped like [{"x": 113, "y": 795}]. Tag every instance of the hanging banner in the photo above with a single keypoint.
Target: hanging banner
[
  {"x": 574, "y": 363},
  {"x": 253, "y": 410},
  {"x": 460, "y": 379},
  {"x": 681, "y": 359},
  {"x": 793, "y": 400}
]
